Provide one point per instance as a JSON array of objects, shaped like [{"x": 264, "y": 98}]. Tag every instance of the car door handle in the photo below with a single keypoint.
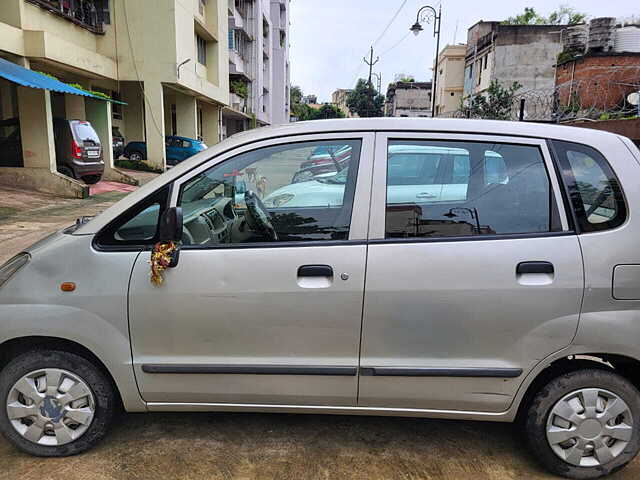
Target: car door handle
[
  {"x": 534, "y": 267},
  {"x": 315, "y": 271},
  {"x": 425, "y": 195}
]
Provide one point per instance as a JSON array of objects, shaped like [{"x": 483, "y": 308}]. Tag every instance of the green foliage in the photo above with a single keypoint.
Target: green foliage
[
  {"x": 562, "y": 16},
  {"x": 495, "y": 103},
  {"x": 298, "y": 109},
  {"x": 239, "y": 88},
  {"x": 295, "y": 95},
  {"x": 407, "y": 79},
  {"x": 365, "y": 100},
  {"x": 326, "y": 111},
  {"x": 78, "y": 86},
  {"x": 141, "y": 166}
]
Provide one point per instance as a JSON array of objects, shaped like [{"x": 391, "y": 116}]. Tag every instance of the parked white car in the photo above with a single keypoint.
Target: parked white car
[{"x": 426, "y": 182}]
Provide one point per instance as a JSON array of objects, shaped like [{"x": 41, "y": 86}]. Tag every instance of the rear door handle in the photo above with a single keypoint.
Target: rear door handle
[
  {"x": 315, "y": 271},
  {"x": 534, "y": 267}
]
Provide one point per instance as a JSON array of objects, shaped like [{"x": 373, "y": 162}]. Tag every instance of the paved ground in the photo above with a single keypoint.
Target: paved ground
[
  {"x": 27, "y": 216},
  {"x": 259, "y": 446},
  {"x": 291, "y": 447}
]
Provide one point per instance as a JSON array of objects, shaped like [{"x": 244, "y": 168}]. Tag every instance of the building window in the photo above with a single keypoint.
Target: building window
[
  {"x": 486, "y": 58},
  {"x": 202, "y": 50},
  {"x": 89, "y": 14}
]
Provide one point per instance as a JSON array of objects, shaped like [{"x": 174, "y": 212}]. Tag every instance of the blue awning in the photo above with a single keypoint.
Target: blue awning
[{"x": 28, "y": 78}]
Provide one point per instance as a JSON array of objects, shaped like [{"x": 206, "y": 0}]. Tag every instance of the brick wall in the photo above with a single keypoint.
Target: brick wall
[{"x": 600, "y": 82}]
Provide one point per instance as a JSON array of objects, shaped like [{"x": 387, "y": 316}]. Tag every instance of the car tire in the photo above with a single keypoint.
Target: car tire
[
  {"x": 77, "y": 378},
  {"x": 588, "y": 452},
  {"x": 136, "y": 156},
  {"x": 66, "y": 171},
  {"x": 91, "y": 179}
]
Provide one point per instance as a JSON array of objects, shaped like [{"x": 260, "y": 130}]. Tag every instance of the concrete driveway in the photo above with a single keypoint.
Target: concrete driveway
[
  {"x": 259, "y": 446},
  {"x": 296, "y": 447}
]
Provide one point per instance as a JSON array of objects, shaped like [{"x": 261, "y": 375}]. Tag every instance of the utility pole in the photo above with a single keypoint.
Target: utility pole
[{"x": 371, "y": 63}]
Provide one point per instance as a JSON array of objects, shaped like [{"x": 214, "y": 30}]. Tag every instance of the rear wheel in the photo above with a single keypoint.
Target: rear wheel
[
  {"x": 136, "y": 156},
  {"x": 584, "y": 424},
  {"x": 91, "y": 179},
  {"x": 54, "y": 403}
]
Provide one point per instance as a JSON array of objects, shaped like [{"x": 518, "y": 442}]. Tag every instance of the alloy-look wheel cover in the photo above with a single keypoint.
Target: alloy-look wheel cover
[
  {"x": 589, "y": 427},
  {"x": 51, "y": 407}
]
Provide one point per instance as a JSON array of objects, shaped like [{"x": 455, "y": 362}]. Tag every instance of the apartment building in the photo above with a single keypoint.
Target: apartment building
[
  {"x": 258, "y": 64},
  {"x": 408, "y": 99},
  {"x": 166, "y": 61},
  {"x": 339, "y": 99},
  {"x": 450, "y": 84},
  {"x": 511, "y": 53}
]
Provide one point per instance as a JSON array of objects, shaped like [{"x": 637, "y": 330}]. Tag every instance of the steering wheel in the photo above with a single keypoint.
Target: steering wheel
[{"x": 258, "y": 217}]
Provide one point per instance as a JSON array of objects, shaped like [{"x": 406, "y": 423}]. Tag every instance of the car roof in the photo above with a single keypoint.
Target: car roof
[
  {"x": 336, "y": 126},
  {"x": 433, "y": 149}
]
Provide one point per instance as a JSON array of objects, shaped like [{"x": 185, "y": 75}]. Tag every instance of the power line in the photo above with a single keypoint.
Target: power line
[
  {"x": 406, "y": 35},
  {"x": 395, "y": 15},
  {"x": 386, "y": 28}
]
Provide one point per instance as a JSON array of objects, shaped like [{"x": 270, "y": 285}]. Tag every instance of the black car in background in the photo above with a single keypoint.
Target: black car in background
[{"x": 78, "y": 148}]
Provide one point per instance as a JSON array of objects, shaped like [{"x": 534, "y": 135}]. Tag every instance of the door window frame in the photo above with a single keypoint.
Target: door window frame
[
  {"x": 360, "y": 208},
  {"x": 377, "y": 220}
]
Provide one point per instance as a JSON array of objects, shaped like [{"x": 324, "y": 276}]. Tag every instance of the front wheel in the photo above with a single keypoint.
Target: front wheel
[
  {"x": 54, "y": 403},
  {"x": 584, "y": 424}
]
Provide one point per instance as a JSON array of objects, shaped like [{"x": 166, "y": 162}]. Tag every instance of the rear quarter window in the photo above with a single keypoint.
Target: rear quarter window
[{"x": 594, "y": 190}]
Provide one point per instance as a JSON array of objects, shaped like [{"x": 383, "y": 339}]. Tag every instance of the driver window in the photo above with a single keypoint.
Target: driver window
[{"x": 286, "y": 193}]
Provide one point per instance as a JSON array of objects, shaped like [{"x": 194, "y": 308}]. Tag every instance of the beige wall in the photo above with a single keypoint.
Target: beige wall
[
  {"x": 137, "y": 55},
  {"x": 36, "y": 128},
  {"x": 450, "y": 83}
]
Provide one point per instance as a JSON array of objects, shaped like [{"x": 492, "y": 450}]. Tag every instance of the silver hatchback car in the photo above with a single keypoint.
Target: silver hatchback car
[{"x": 443, "y": 268}]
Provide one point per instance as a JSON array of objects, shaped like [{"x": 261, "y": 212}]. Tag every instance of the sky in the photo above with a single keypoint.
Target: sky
[{"x": 329, "y": 38}]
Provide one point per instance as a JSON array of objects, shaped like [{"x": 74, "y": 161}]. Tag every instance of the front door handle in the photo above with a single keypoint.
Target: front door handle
[
  {"x": 315, "y": 271},
  {"x": 534, "y": 267}
]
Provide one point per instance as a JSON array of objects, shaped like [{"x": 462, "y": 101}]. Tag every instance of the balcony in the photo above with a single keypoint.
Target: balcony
[
  {"x": 88, "y": 14},
  {"x": 236, "y": 63},
  {"x": 238, "y": 103}
]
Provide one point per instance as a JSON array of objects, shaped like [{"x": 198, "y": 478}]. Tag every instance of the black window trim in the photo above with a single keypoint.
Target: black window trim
[
  {"x": 295, "y": 243},
  {"x": 562, "y": 164},
  {"x": 508, "y": 236},
  {"x": 128, "y": 214}
]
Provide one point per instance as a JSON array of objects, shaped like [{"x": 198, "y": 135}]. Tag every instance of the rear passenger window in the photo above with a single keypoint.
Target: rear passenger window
[
  {"x": 594, "y": 190},
  {"x": 450, "y": 189}
]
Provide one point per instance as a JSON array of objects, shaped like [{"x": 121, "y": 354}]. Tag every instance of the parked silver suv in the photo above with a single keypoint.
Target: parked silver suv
[{"x": 450, "y": 269}]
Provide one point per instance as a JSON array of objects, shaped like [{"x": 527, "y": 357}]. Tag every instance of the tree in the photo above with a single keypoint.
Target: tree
[
  {"x": 295, "y": 95},
  {"x": 562, "y": 16},
  {"x": 496, "y": 103},
  {"x": 327, "y": 111},
  {"x": 298, "y": 109},
  {"x": 365, "y": 100}
]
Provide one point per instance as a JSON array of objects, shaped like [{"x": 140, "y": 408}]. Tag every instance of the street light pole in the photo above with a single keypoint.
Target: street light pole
[{"x": 425, "y": 15}]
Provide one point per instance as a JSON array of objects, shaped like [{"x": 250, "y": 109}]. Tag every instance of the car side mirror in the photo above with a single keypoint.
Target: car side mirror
[
  {"x": 170, "y": 230},
  {"x": 171, "y": 225}
]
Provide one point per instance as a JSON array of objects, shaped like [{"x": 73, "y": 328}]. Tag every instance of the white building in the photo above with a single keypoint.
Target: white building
[{"x": 258, "y": 64}]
